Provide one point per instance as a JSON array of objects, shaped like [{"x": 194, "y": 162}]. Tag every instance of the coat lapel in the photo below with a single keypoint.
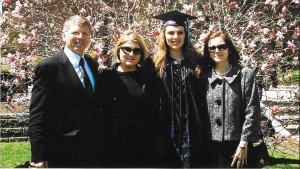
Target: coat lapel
[{"x": 68, "y": 70}]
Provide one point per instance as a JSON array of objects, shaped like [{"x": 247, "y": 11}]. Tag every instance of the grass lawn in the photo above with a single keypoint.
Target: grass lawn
[
  {"x": 280, "y": 159},
  {"x": 17, "y": 153},
  {"x": 13, "y": 154}
]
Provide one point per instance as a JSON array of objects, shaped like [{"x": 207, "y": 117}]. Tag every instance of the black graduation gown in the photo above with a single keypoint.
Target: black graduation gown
[{"x": 180, "y": 104}]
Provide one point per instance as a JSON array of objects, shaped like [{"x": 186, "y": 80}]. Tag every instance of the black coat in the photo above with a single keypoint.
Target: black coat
[
  {"x": 60, "y": 105},
  {"x": 191, "y": 90},
  {"x": 128, "y": 119}
]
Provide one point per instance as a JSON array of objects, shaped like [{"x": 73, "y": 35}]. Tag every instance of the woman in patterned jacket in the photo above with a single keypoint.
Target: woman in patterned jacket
[{"x": 233, "y": 103}]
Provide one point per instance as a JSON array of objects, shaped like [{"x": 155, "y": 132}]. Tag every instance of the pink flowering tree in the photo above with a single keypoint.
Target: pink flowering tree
[{"x": 266, "y": 32}]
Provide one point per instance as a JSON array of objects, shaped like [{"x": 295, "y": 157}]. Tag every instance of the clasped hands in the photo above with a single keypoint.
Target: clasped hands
[{"x": 240, "y": 156}]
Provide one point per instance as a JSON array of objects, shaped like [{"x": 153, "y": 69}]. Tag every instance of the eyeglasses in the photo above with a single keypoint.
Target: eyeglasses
[
  {"x": 128, "y": 50},
  {"x": 221, "y": 47}
]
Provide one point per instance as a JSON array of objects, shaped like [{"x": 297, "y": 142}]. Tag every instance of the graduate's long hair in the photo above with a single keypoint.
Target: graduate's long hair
[{"x": 191, "y": 56}]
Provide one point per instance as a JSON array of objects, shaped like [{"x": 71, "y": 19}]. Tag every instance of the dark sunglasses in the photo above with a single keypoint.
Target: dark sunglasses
[
  {"x": 222, "y": 47},
  {"x": 128, "y": 50}
]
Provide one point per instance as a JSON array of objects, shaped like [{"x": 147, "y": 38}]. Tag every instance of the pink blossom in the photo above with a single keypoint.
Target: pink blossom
[
  {"x": 296, "y": 34},
  {"x": 27, "y": 42},
  {"x": 203, "y": 37},
  {"x": 268, "y": 2},
  {"x": 205, "y": 7},
  {"x": 41, "y": 25},
  {"x": 22, "y": 74},
  {"x": 227, "y": 3},
  {"x": 187, "y": 8},
  {"x": 284, "y": 9},
  {"x": 214, "y": 15},
  {"x": 21, "y": 38},
  {"x": 280, "y": 80},
  {"x": 278, "y": 43},
  {"x": 279, "y": 36},
  {"x": 83, "y": 11},
  {"x": 274, "y": 109},
  {"x": 251, "y": 45},
  {"x": 291, "y": 46},
  {"x": 34, "y": 32},
  {"x": 159, "y": 1},
  {"x": 98, "y": 49},
  {"x": 265, "y": 51},
  {"x": 155, "y": 33},
  {"x": 266, "y": 30},
  {"x": 265, "y": 66},
  {"x": 281, "y": 16},
  {"x": 288, "y": 77},
  {"x": 233, "y": 4},
  {"x": 284, "y": 1},
  {"x": 265, "y": 40},
  {"x": 19, "y": 6},
  {"x": 296, "y": 94},
  {"x": 271, "y": 58},
  {"x": 280, "y": 22},
  {"x": 54, "y": 50},
  {"x": 90, "y": 18}
]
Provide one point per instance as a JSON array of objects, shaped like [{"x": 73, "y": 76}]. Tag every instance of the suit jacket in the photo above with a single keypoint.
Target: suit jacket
[{"x": 59, "y": 105}]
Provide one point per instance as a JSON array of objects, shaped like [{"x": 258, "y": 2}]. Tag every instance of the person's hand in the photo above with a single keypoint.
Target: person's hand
[
  {"x": 43, "y": 164},
  {"x": 240, "y": 156},
  {"x": 101, "y": 68}
]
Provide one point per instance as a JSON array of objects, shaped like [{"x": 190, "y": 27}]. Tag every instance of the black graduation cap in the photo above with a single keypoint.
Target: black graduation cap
[{"x": 174, "y": 18}]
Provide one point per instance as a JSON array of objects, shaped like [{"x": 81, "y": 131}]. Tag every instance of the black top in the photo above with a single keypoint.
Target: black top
[{"x": 127, "y": 118}]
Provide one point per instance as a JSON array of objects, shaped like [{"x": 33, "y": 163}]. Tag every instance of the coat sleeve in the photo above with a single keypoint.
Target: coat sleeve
[
  {"x": 251, "y": 106},
  {"x": 40, "y": 102}
]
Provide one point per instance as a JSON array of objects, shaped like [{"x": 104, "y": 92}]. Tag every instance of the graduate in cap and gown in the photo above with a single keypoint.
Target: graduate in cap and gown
[{"x": 177, "y": 88}]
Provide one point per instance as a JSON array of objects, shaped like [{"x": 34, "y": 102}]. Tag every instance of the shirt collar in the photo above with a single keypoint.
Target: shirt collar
[
  {"x": 73, "y": 57},
  {"x": 231, "y": 76}
]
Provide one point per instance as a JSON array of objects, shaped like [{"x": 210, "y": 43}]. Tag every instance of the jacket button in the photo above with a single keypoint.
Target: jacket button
[
  {"x": 219, "y": 122},
  {"x": 218, "y": 102}
]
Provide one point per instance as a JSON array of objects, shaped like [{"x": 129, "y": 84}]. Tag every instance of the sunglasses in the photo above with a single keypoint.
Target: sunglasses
[
  {"x": 222, "y": 47},
  {"x": 128, "y": 50}
]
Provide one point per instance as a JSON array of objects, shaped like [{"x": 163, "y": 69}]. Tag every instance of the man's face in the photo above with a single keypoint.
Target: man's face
[{"x": 77, "y": 38}]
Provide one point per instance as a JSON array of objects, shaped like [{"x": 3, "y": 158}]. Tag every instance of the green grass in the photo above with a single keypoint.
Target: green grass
[
  {"x": 17, "y": 153},
  {"x": 14, "y": 153},
  {"x": 283, "y": 160}
]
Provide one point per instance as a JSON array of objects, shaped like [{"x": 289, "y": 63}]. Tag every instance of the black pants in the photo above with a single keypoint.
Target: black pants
[{"x": 74, "y": 152}]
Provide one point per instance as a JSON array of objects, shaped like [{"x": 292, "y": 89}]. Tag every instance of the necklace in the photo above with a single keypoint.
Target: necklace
[{"x": 225, "y": 73}]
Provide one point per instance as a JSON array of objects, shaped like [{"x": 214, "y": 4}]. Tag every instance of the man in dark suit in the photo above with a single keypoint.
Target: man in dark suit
[{"x": 64, "y": 122}]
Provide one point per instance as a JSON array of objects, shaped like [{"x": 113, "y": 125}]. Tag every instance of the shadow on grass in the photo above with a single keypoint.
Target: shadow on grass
[
  {"x": 25, "y": 165},
  {"x": 273, "y": 161}
]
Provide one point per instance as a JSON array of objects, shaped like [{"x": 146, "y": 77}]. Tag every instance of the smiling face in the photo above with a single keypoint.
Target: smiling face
[
  {"x": 175, "y": 36},
  {"x": 218, "y": 50},
  {"x": 77, "y": 38},
  {"x": 129, "y": 54}
]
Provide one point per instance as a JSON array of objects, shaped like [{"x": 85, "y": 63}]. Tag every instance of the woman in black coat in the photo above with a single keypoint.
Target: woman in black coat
[{"x": 125, "y": 106}]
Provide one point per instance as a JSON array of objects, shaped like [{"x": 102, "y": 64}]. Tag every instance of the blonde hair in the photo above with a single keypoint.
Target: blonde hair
[
  {"x": 77, "y": 20},
  {"x": 130, "y": 35},
  {"x": 159, "y": 58}
]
